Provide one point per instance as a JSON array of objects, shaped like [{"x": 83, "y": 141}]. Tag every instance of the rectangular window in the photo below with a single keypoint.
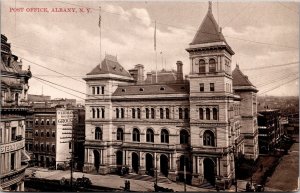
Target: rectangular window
[
  {"x": 167, "y": 113},
  {"x": 201, "y": 87},
  {"x": 102, "y": 90},
  {"x": 212, "y": 86},
  {"x": 13, "y": 133},
  {"x": 93, "y": 90},
  {"x": 70, "y": 145},
  {"x": 12, "y": 161},
  {"x": 1, "y": 135},
  {"x": 98, "y": 90}
]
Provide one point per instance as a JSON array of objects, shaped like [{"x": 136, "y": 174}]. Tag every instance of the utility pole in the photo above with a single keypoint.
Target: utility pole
[{"x": 184, "y": 174}]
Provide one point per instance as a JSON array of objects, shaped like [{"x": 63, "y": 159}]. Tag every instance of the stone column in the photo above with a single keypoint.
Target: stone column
[{"x": 204, "y": 113}]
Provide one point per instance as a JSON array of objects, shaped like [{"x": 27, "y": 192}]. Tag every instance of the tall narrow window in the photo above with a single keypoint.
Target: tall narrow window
[
  {"x": 138, "y": 113},
  {"x": 93, "y": 112},
  {"x": 12, "y": 161},
  {"x": 98, "y": 133},
  {"x": 135, "y": 135},
  {"x": 133, "y": 113},
  {"x": 207, "y": 113},
  {"x": 201, "y": 113},
  {"x": 147, "y": 113},
  {"x": 103, "y": 113},
  {"x": 161, "y": 112},
  {"x": 167, "y": 113},
  {"x": 201, "y": 87},
  {"x": 164, "y": 136},
  {"x": 13, "y": 133},
  {"x": 98, "y": 113},
  {"x": 201, "y": 66},
  {"x": 117, "y": 113},
  {"x": 184, "y": 137},
  {"x": 186, "y": 113},
  {"x": 120, "y": 134},
  {"x": 98, "y": 90},
  {"x": 150, "y": 135},
  {"x": 180, "y": 113},
  {"x": 212, "y": 86},
  {"x": 212, "y": 65},
  {"x": 215, "y": 114},
  {"x": 93, "y": 90},
  {"x": 122, "y": 112},
  {"x": 152, "y": 113},
  {"x": 102, "y": 89}
]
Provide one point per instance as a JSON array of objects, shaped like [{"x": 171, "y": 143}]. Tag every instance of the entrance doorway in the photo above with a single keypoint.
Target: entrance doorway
[
  {"x": 209, "y": 170},
  {"x": 135, "y": 162},
  {"x": 96, "y": 160},
  {"x": 164, "y": 165},
  {"x": 185, "y": 161},
  {"x": 149, "y": 164},
  {"x": 119, "y": 161}
]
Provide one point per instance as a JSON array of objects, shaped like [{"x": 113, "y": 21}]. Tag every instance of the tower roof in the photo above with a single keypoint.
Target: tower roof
[
  {"x": 239, "y": 79},
  {"x": 110, "y": 65},
  {"x": 209, "y": 30}
]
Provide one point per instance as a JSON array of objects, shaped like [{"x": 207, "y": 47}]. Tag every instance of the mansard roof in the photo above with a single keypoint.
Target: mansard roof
[
  {"x": 152, "y": 89},
  {"x": 241, "y": 80},
  {"x": 110, "y": 65}
]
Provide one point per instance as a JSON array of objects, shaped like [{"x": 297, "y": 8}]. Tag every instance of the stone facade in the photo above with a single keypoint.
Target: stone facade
[{"x": 172, "y": 125}]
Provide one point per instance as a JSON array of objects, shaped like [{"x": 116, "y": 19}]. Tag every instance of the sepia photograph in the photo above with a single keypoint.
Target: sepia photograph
[{"x": 149, "y": 96}]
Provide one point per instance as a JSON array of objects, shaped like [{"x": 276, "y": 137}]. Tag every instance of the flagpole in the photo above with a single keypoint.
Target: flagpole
[
  {"x": 100, "y": 35},
  {"x": 155, "y": 53}
]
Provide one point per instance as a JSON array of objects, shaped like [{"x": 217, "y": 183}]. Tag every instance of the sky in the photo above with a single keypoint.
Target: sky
[{"x": 262, "y": 34}]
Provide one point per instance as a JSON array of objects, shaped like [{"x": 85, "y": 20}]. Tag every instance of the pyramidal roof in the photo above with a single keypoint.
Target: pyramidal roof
[
  {"x": 209, "y": 31},
  {"x": 110, "y": 65},
  {"x": 239, "y": 79}
]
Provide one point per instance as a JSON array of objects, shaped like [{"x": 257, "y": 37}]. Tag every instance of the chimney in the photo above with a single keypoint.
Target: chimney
[
  {"x": 133, "y": 73},
  {"x": 179, "y": 71},
  {"x": 149, "y": 77},
  {"x": 140, "y": 73}
]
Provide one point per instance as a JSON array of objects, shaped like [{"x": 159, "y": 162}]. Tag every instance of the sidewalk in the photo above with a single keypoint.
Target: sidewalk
[{"x": 113, "y": 181}]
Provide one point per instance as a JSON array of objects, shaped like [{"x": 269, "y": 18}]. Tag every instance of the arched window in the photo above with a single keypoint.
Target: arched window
[
  {"x": 167, "y": 113},
  {"x": 117, "y": 113},
  {"x": 208, "y": 138},
  {"x": 150, "y": 135},
  {"x": 201, "y": 66},
  {"x": 133, "y": 113},
  {"x": 47, "y": 122},
  {"x": 147, "y": 113},
  {"x": 36, "y": 133},
  {"x": 138, "y": 113},
  {"x": 42, "y": 147},
  {"x": 215, "y": 114},
  {"x": 98, "y": 113},
  {"x": 122, "y": 113},
  {"x": 186, "y": 113},
  {"x": 98, "y": 133},
  {"x": 161, "y": 113},
  {"x": 120, "y": 134},
  {"x": 53, "y": 148},
  {"x": 212, "y": 65},
  {"x": 184, "y": 137},
  {"x": 103, "y": 113},
  {"x": 36, "y": 147},
  {"x": 207, "y": 113},
  {"x": 152, "y": 113},
  {"x": 42, "y": 134},
  {"x": 180, "y": 113},
  {"x": 42, "y": 122},
  {"x": 48, "y": 134},
  {"x": 201, "y": 113},
  {"x": 47, "y": 147},
  {"x": 164, "y": 136},
  {"x": 53, "y": 134},
  {"x": 93, "y": 112},
  {"x": 135, "y": 135}
]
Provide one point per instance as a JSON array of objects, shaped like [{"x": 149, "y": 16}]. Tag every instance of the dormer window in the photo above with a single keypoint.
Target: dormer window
[
  {"x": 182, "y": 88},
  {"x": 162, "y": 88},
  {"x": 123, "y": 90},
  {"x": 141, "y": 89}
]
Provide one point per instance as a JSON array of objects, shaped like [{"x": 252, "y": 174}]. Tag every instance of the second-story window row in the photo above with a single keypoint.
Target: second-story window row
[
  {"x": 98, "y": 112},
  {"x": 97, "y": 90},
  {"x": 208, "y": 113}
]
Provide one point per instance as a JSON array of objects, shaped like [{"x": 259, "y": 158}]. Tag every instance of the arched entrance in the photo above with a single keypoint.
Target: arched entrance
[
  {"x": 164, "y": 165},
  {"x": 96, "y": 160},
  {"x": 149, "y": 164},
  {"x": 185, "y": 161},
  {"x": 135, "y": 162},
  {"x": 119, "y": 161},
  {"x": 209, "y": 170}
]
